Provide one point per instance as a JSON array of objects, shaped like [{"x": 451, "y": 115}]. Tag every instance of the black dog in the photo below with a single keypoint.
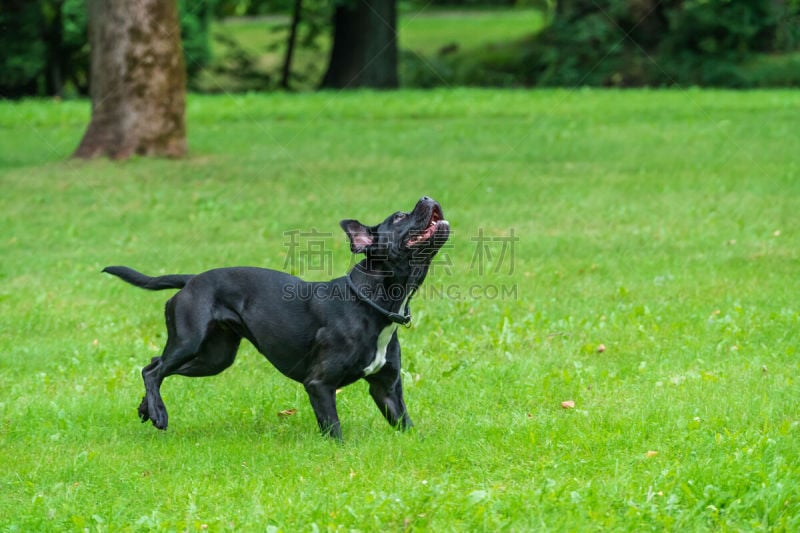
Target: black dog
[{"x": 323, "y": 334}]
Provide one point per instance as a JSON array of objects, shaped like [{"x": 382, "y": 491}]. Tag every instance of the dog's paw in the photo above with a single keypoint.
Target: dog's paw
[
  {"x": 159, "y": 417},
  {"x": 144, "y": 414}
]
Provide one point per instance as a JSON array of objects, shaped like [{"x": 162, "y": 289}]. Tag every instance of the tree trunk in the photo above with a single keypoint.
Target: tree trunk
[
  {"x": 137, "y": 80},
  {"x": 286, "y": 70},
  {"x": 364, "y": 52}
]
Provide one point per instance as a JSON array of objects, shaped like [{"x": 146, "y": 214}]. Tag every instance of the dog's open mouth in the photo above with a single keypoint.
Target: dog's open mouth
[{"x": 426, "y": 234}]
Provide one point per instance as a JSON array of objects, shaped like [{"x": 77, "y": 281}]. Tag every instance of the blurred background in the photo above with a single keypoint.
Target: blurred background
[{"x": 234, "y": 46}]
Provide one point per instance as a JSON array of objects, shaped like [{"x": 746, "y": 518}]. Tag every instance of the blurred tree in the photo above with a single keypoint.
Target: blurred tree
[
  {"x": 44, "y": 48},
  {"x": 53, "y": 33},
  {"x": 658, "y": 42},
  {"x": 291, "y": 41},
  {"x": 21, "y": 49},
  {"x": 138, "y": 80},
  {"x": 195, "y": 23},
  {"x": 364, "y": 51},
  {"x": 307, "y": 27}
]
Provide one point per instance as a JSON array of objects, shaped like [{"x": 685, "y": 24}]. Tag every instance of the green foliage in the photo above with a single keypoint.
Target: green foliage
[
  {"x": 624, "y": 43},
  {"x": 46, "y": 39},
  {"x": 74, "y": 50},
  {"x": 39, "y": 38},
  {"x": 248, "y": 53},
  {"x": 620, "y": 42},
  {"x": 195, "y": 18},
  {"x": 723, "y": 27},
  {"x": 661, "y": 224},
  {"x": 709, "y": 41},
  {"x": 22, "y": 50}
]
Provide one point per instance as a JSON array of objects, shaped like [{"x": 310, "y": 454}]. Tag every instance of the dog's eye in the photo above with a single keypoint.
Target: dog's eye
[{"x": 400, "y": 216}]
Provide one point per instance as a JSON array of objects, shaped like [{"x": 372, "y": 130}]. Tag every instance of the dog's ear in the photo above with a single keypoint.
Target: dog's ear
[{"x": 361, "y": 237}]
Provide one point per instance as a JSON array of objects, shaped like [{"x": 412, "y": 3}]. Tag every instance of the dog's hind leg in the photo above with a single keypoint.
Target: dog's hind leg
[
  {"x": 217, "y": 352},
  {"x": 152, "y": 407},
  {"x": 196, "y": 346},
  {"x": 144, "y": 411}
]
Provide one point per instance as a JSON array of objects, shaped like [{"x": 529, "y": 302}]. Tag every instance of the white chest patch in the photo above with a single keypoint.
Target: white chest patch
[{"x": 380, "y": 350}]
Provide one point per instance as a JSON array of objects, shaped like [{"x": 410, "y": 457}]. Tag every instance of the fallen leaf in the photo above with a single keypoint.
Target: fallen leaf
[
  {"x": 651, "y": 453},
  {"x": 287, "y": 412},
  {"x": 568, "y": 404}
]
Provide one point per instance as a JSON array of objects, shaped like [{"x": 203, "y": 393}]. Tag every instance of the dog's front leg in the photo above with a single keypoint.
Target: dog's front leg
[
  {"x": 386, "y": 389},
  {"x": 323, "y": 400}
]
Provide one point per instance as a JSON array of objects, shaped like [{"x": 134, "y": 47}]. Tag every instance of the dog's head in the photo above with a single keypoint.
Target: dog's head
[{"x": 404, "y": 240}]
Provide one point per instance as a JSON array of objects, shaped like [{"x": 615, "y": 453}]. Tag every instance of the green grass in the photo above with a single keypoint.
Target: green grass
[
  {"x": 428, "y": 30},
  {"x": 662, "y": 225}
]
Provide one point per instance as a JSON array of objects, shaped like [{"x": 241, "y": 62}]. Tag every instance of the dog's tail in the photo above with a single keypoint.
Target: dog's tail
[{"x": 170, "y": 281}]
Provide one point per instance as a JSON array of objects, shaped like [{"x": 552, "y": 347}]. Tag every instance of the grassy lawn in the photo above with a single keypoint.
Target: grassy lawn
[
  {"x": 660, "y": 225},
  {"x": 427, "y": 31}
]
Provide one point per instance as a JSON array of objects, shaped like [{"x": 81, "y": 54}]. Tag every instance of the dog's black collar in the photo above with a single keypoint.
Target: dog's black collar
[{"x": 397, "y": 318}]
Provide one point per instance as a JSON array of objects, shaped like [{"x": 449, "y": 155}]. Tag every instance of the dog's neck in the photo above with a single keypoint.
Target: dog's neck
[{"x": 390, "y": 289}]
